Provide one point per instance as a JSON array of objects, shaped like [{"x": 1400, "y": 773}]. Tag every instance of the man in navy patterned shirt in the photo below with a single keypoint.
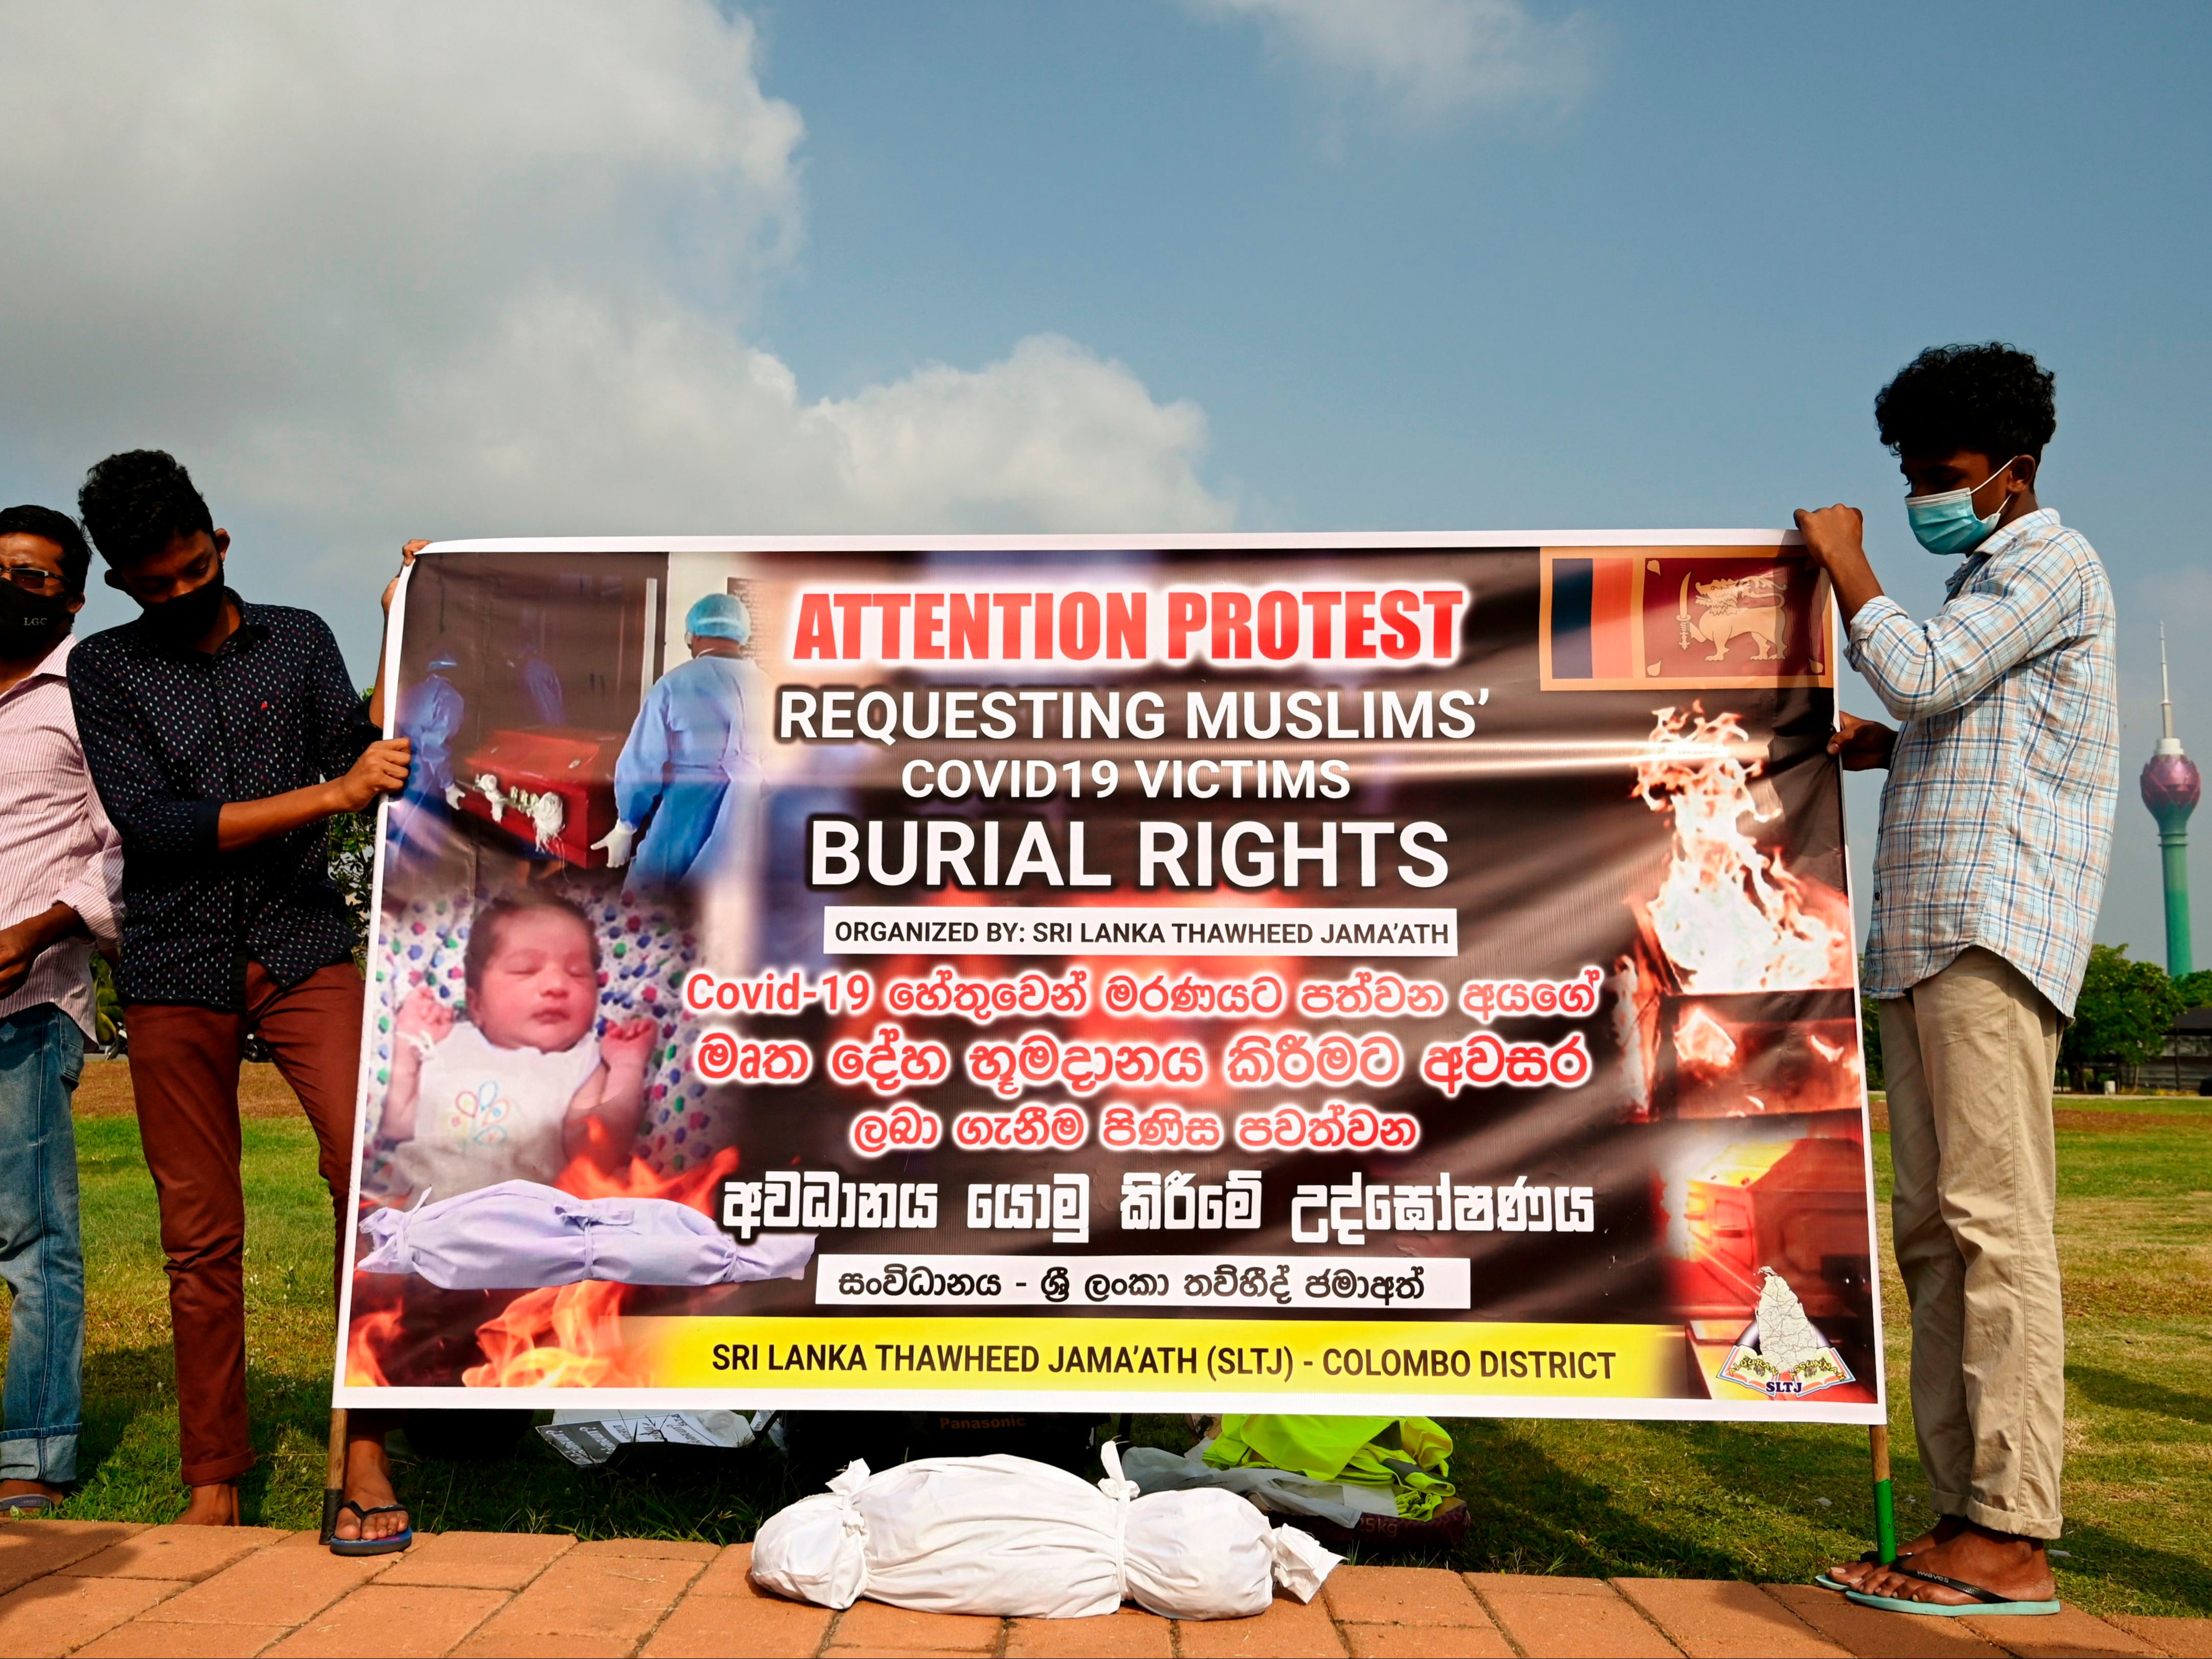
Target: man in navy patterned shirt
[
  {"x": 221, "y": 735},
  {"x": 1995, "y": 826}
]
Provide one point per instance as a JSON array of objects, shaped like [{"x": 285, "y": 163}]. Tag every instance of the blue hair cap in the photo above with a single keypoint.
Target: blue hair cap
[{"x": 719, "y": 617}]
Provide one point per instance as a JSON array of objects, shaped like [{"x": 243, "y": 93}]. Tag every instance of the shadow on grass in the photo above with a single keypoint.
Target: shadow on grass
[
  {"x": 1803, "y": 1459},
  {"x": 129, "y": 1467},
  {"x": 126, "y": 1458},
  {"x": 2128, "y": 1565},
  {"x": 1529, "y": 1514},
  {"x": 2134, "y": 1393},
  {"x": 651, "y": 1492},
  {"x": 129, "y": 1458}
]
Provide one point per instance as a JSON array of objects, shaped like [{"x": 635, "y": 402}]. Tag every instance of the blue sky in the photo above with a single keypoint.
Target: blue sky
[{"x": 1255, "y": 264}]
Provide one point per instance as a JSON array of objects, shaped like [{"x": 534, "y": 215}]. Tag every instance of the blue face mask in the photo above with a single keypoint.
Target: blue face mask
[{"x": 1947, "y": 525}]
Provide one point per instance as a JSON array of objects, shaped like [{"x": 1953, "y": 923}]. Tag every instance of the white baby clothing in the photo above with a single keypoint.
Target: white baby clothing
[{"x": 485, "y": 1115}]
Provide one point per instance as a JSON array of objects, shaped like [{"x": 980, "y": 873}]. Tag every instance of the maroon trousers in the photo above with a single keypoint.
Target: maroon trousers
[{"x": 183, "y": 1072}]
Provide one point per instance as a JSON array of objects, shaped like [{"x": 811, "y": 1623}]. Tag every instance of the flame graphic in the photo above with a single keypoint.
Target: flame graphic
[
  {"x": 563, "y": 1336},
  {"x": 566, "y": 1336},
  {"x": 1727, "y": 916},
  {"x": 373, "y": 1333},
  {"x": 569, "y": 1336},
  {"x": 1704, "y": 1043},
  {"x": 587, "y": 1177}
]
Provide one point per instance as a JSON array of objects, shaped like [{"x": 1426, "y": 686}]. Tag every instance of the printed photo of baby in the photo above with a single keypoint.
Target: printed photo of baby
[{"x": 518, "y": 1086}]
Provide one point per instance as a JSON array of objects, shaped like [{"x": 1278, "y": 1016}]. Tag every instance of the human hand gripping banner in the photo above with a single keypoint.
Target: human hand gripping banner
[{"x": 1374, "y": 974}]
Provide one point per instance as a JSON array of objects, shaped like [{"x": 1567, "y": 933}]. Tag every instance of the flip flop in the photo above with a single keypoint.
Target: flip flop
[
  {"x": 29, "y": 1503},
  {"x": 1989, "y": 1604},
  {"x": 398, "y": 1540},
  {"x": 1869, "y": 1558}
]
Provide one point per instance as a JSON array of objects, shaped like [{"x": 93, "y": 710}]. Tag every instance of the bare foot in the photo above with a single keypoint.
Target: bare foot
[
  {"x": 215, "y": 1505},
  {"x": 369, "y": 1483},
  {"x": 1854, "y": 1573},
  {"x": 30, "y": 1489},
  {"x": 2016, "y": 1568}
]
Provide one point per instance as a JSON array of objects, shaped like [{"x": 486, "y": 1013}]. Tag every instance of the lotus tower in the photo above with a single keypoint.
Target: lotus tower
[{"x": 2172, "y": 788}]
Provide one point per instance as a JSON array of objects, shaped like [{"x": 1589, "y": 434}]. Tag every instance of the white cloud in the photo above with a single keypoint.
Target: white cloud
[
  {"x": 419, "y": 267},
  {"x": 1428, "y": 60},
  {"x": 1052, "y": 436},
  {"x": 581, "y": 415}
]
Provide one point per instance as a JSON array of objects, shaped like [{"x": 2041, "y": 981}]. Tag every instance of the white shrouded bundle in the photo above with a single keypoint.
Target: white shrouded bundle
[
  {"x": 1008, "y": 1537},
  {"x": 520, "y": 1235}
]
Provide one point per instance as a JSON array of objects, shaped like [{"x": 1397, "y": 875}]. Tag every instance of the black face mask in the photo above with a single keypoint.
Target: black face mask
[
  {"x": 186, "y": 618},
  {"x": 25, "y": 616}
]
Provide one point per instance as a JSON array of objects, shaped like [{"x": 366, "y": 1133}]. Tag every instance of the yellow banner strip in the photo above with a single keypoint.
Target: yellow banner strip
[{"x": 961, "y": 1356}]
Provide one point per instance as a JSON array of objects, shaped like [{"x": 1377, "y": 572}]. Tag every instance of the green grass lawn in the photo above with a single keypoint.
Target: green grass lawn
[{"x": 1750, "y": 1501}]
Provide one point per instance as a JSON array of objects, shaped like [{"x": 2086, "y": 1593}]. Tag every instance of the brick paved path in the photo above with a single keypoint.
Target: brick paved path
[{"x": 86, "y": 1587}]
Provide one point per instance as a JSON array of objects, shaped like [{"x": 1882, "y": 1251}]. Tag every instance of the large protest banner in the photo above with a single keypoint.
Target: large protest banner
[{"x": 1388, "y": 973}]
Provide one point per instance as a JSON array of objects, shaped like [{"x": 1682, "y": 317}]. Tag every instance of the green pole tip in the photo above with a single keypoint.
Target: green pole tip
[{"x": 1885, "y": 1521}]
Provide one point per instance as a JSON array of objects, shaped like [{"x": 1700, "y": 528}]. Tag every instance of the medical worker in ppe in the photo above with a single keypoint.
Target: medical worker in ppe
[
  {"x": 689, "y": 773},
  {"x": 429, "y": 714}
]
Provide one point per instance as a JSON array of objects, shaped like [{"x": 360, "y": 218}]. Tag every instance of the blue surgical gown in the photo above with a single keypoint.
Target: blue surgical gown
[
  {"x": 541, "y": 683},
  {"x": 429, "y": 714},
  {"x": 691, "y": 763}
]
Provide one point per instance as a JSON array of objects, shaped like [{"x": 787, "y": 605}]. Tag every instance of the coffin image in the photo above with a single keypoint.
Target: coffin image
[
  {"x": 548, "y": 788},
  {"x": 1798, "y": 1207}
]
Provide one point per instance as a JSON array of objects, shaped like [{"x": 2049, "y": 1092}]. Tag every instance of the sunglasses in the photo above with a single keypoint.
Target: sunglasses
[{"x": 34, "y": 579}]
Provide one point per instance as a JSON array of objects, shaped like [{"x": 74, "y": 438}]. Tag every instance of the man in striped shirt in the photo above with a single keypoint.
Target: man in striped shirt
[
  {"x": 1995, "y": 826},
  {"x": 60, "y": 865}
]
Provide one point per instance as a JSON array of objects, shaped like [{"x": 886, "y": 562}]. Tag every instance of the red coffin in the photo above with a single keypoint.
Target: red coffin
[{"x": 575, "y": 767}]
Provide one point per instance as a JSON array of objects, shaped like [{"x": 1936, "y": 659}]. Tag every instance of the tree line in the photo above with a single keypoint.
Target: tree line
[{"x": 2125, "y": 1011}]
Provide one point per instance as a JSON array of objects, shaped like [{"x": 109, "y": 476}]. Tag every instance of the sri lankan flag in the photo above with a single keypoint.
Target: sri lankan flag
[{"x": 1632, "y": 618}]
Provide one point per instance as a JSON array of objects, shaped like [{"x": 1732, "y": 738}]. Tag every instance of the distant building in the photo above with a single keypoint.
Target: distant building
[
  {"x": 2170, "y": 788},
  {"x": 2185, "y": 1061}
]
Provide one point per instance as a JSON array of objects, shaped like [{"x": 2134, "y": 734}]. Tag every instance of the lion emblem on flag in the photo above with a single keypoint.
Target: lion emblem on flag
[{"x": 1732, "y": 607}]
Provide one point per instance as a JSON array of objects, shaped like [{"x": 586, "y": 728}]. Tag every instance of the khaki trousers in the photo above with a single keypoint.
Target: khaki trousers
[{"x": 1969, "y": 1054}]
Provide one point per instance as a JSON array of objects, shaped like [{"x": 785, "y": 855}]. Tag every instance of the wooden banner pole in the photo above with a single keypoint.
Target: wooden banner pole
[{"x": 334, "y": 1475}]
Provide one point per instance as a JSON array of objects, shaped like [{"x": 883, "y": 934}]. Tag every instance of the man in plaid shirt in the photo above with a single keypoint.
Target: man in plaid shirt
[{"x": 1996, "y": 827}]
